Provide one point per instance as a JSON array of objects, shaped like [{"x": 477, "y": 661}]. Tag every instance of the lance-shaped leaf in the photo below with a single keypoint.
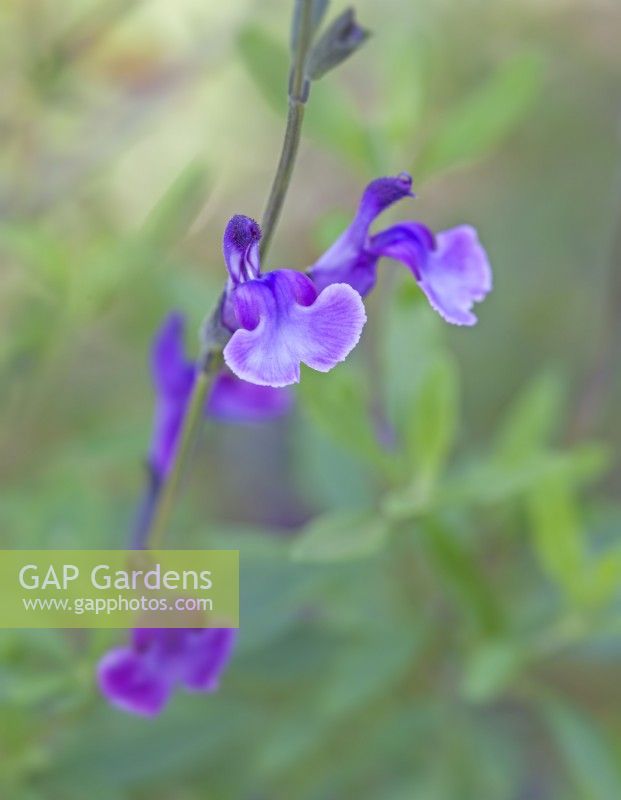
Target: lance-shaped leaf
[
  {"x": 341, "y": 536},
  {"x": 481, "y": 120}
]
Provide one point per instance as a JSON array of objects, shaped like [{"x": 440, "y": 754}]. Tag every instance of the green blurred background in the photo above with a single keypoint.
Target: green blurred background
[{"x": 435, "y": 621}]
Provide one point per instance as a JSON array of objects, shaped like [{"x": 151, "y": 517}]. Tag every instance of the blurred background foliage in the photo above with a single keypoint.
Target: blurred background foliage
[{"x": 431, "y": 543}]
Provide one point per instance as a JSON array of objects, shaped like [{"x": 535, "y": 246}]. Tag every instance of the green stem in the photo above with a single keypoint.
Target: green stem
[
  {"x": 191, "y": 424},
  {"x": 210, "y": 362},
  {"x": 283, "y": 174},
  {"x": 298, "y": 95}
]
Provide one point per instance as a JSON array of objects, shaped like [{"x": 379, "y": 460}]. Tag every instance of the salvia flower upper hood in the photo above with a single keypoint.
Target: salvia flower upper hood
[{"x": 451, "y": 268}]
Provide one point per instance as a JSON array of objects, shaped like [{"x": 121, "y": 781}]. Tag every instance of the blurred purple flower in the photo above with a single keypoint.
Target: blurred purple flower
[
  {"x": 173, "y": 378},
  {"x": 230, "y": 398},
  {"x": 279, "y": 320},
  {"x": 451, "y": 268},
  {"x": 234, "y": 400},
  {"x": 141, "y": 677}
]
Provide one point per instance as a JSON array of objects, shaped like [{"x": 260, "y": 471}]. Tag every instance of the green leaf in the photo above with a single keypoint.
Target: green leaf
[
  {"x": 267, "y": 64},
  {"x": 336, "y": 402},
  {"x": 328, "y": 475},
  {"x": 493, "y": 483},
  {"x": 404, "y": 66},
  {"x": 433, "y": 421},
  {"x": 341, "y": 536},
  {"x": 413, "y": 336},
  {"x": 558, "y": 534},
  {"x": 491, "y": 668},
  {"x": 532, "y": 419},
  {"x": 150, "y": 754},
  {"x": 364, "y": 667},
  {"x": 333, "y": 121},
  {"x": 49, "y": 262},
  {"x": 458, "y": 568},
  {"x": 562, "y": 547},
  {"x": 367, "y": 665},
  {"x": 479, "y": 122},
  {"x": 589, "y": 757},
  {"x": 173, "y": 214},
  {"x": 489, "y": 482},
  {"x": 603, "y": 579},
  {"x": 273, "y": 590}
]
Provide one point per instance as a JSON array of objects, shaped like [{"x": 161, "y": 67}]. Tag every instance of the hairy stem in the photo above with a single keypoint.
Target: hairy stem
[{"x": 298, "y": 95}]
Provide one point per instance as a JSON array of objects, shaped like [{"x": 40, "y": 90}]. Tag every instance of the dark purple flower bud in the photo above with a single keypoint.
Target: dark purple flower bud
[
  {"x": 340, "y": 40},
  {"x": 451, "y": 268},
  {"x": 279, "y": 320},
  {"x": 240, "y": 247},
  {"x": 230, "y": 399},
  {"x": 141, "y": 677}
]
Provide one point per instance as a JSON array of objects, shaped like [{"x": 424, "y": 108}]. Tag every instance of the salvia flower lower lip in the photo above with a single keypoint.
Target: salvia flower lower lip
[{"x": 280, "y": 319}]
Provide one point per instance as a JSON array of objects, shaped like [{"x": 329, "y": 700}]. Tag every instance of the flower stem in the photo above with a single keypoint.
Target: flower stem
[
  {"x": 157, "y": 507},
  {"x": 187, "y": 438},
  {"x": 146, "y": 510},
  {"x": 298, "y": 95}
]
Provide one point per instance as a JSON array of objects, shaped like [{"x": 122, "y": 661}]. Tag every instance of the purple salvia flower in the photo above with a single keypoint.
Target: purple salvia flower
[
  {"x": 280, "y": 320},
  {"x": 173, "y": 378},
  {"x": 349, "y": 258},
  {"x": 451, "y": 268},
  {"x": 230, "y": 399},
  {"x": 141, "y": 677}
]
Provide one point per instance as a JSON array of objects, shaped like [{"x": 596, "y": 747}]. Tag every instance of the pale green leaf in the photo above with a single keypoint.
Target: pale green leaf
[
  {"x": 490, "y": 482},
  {"x": 531, "y": 419},
  {"x": 491, "y": 668},
  {"x": 341, "y": 536},
  {"x": 433, "y": 420},
  {"x": 602, "y": 582},
  {"x": 485, "y": 116},
  {"x": 337, "y": 403},
  {"x": 459, "y": 570},
  {"x": 404, "y": 66},
  {"x": 588, "y": 756},
  {"x": 173, "y": 214},
  {"x": 267, "y": 64},
  {"x": 558, "y": 533},
  {"x": 333, "y": 121}
]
